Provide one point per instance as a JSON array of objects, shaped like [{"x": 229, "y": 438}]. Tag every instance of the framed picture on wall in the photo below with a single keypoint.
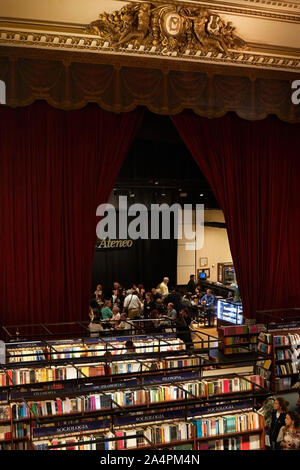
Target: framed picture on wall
[
  {"x": 207, "y": 272},
  {"x": 203, "y": 262}
]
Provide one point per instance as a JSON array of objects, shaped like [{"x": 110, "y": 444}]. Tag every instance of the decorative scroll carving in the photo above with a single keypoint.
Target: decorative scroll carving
[{"x": 167, "y": 28}]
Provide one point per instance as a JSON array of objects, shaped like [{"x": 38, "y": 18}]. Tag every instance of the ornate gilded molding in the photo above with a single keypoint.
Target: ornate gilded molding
[
  {"x": 265, "y": 6},
  {"x": 94, "y": 44},
  {"x": 168, "y": 28},
  {"x": 175, "y": 32}
]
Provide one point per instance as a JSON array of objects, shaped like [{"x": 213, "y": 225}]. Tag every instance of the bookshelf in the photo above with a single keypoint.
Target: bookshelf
[
  {"x": 239, "y": 339},
  {"x": 93, "y": 411},
  {"x": 170, "y": 434},
  {"x": 40, "y": 351},
  {"x": 281, "y": 365}
]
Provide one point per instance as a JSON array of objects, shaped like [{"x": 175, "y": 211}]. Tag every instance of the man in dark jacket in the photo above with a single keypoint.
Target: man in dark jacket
[
  {"x": 175, "y": 298},
  {"x": 191, "y": 285},
  {"x": 278, "y": 420}
]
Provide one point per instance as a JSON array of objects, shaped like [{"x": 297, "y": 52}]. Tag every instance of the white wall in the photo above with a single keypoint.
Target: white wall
[{"x": 216, "y": 249}]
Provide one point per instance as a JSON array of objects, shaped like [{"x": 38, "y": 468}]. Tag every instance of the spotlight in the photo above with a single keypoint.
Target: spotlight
[{"x": 201, "y": 195}]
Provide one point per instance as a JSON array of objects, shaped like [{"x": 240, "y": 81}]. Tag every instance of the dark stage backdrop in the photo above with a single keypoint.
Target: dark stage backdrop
[{"x": 146, "y": 262}]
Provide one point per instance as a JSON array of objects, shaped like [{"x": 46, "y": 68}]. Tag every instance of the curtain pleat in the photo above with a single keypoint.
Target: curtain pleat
[{"x": 56, "y": 167}]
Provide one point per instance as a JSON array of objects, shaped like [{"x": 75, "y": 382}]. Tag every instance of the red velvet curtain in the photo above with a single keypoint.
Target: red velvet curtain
[
  {"x": 254, "y": 171},
  {"x": 56, "y": 167}
]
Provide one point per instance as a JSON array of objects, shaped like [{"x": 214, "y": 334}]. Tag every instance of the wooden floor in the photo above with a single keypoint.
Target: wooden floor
[{"x": 200, "y": 336}]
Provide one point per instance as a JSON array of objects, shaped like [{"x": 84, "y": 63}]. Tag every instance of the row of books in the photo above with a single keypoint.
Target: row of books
[
  {"x": 283, "y": 354},
  {"x": 149, "y": 394},
  {"x": 207, "y": 427},
  {"x": 239, "y": 340},
  {"x": 27, "y": 376},
  {"x": 241, "y": 329},
  {"x": 128, "y": 367},
  {"x": 251, "y": 442},
  {"x": 236, "y": 384},
  {"x": 287, "y": 340},
  {"x": 281, "y": 340},
  {"x": 26, "y": 355},
  {"x": 20, "y": 429},
  {"x": 294, "y": 340},
  {"x": 105, "y": 401},
  {"x": 287, "y": 368},
  {"x": 61, "y": 373},
  {"x": 69, "y": 351}
]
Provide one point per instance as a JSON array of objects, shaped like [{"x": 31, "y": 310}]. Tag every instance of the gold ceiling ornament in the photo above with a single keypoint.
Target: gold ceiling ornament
[{"x": 167, "y": 28}]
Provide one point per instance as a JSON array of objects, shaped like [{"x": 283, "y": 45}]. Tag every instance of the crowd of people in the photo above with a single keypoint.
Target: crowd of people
[
  {"x": 282, "y": 426},
  {"x": 161, "y": 309}
]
